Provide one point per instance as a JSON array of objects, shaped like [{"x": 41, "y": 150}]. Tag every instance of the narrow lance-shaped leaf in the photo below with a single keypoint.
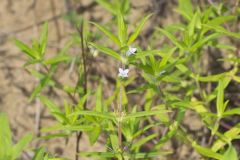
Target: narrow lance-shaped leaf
[
  {"x": 39, "y": 154},
  {"x": 234, "y": 111},
  {"x": 220, "y": 20},
  {"x": 136, "y": 32},
  {"x": 192, "y": 24},
  {"x": 229, "y": 136},
  {"x": 203, "y": 41},
  {"x": 60, "y": 127},
  {"x": 142, "y": 141},
  {"x": 107, "y": 51},
  {"x": 113, "y": 136},
  {"x": 94, "y": 114},
  {"x": 172, "y": 38},
  {"x": 206, "y": 151},
  {"x": 107, "y": 5},
  {"x": 18, "y": 148},
  {"x": 99, "y": 107},
  {"x": 94, "y": 133},
  {"x": 54, "y": 109},
  {"x": 230, "y": 154},
  {"x": 220, "y": 98},
  {"x": 100, "y": 155},
  {"x": 172, "y": 131},
  {"x": 108, "y": 34},
  {"x": 5, "y": 136},
  {"x": 122, "y": 29},
  {"x": 144, "y": 114},
  {"x": 186, "y": 9},
  {"x": 125, "y": 5},
  {"x": 57, "y": 59},
  {"x": 43, "y": 38},
  {"x": 26, "y": 49},
  {"x": 149, "y": 155},
  {"x": 222, "y": 30}
]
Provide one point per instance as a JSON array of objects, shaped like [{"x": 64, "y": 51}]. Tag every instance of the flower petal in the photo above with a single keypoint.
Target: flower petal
[{"x": 120, "y": 70}]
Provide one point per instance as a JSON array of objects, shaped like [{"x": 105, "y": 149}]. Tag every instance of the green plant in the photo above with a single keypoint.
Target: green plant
[
  {"x": 171, "y": 84},
  {"x": 9, "y": 151}
]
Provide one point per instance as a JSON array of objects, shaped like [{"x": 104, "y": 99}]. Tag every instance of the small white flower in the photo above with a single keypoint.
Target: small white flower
[
  {"x": 123, "y": 72},
  {"x": 162, "y": 72},
  {"x": 131, "y": 51}
]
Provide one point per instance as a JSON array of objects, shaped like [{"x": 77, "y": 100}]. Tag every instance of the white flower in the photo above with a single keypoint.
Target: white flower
[
  {"x": 162, "y": 72},
  {"x": 131, "y": 51},
  {"x": 123, "y": 72}
]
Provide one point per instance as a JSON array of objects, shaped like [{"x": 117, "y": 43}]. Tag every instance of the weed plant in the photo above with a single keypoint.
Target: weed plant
[{"x": 173, "y": 82}]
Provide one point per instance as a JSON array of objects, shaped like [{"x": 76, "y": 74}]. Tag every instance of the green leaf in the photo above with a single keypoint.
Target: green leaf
[
  {"x": 107, "y": 5},
  {"x": 108, "y": 33},
  {"x": 55, "y": 135},
  {"x": 5, "y": 137},
  {"x": 220, "y": 98},
  {"x": 18, "y": 148},
  {"x": 102, "y": 155},
  {"x": 107, "y": 51},
  {"x": 39, "y": 154},
  {"x": 106, "y": 115},
  {"x": 98, "y": 154},
  {"x": 57, "y": 59},
  {"x": 225, "y": 46},
  {"x": 32, "y": 54},
  {"x": 125, "y": 6},
  {"x": 172, "y": 38},
  {"x": 144, "y": 114},
  {"x": 220, "y": 20},
  {"x": 136, "y": 145},
  {"x": 113, "y": 136},
  {"x": 192, "y": 24},
  {"x": 94, "y": 134},
  {"x": 211, "y": 78},
  {"x": 122, "y": 29},
  {"x": 43, "y": 82},
  {"x": 206, "y": 151},
  {"x": 51, "y": 106},
  {"x": 172, "y": 131},
  {"x": 230, "y": 154},
  {"x": 227, "y": 138},
  {"x": 140, "y": 131},
  {"x": 138, "y": 29},
  {"x": 54, "y": 109},
  {"x": 203, "y": 41},
  {"x": 222, "y": 30},
  {"x": 147, "y": 155},
  {"x": 43, "y": 38},
  {"x": 99, "y": 105},
  {"x": 186, "y": 9},
  {"x": 235, "y": 111},
  {"x": 61, "y": 127}
]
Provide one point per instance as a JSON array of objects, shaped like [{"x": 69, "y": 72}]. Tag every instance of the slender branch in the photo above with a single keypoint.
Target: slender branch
[
  {"x": 37, "y": 102},
  {"x": 56, "y": 23},
  {"x": 120, "y": 118},
  {"x": 84, "y": 63},
  {"x": 120, "y": 113}
]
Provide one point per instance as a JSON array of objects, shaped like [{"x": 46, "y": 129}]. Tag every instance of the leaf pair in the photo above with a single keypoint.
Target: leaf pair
[
  {"x": 8, "y": 151},
  {"x": 39, "y": 47}
]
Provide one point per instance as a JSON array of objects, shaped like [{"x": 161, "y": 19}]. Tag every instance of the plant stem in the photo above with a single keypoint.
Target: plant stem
[
  {"x": 84, "y": 63},
  {"x": 78, "y": 137},
  {"x": 120, "y": 118},
  {"x": 38, "y": 104}
]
